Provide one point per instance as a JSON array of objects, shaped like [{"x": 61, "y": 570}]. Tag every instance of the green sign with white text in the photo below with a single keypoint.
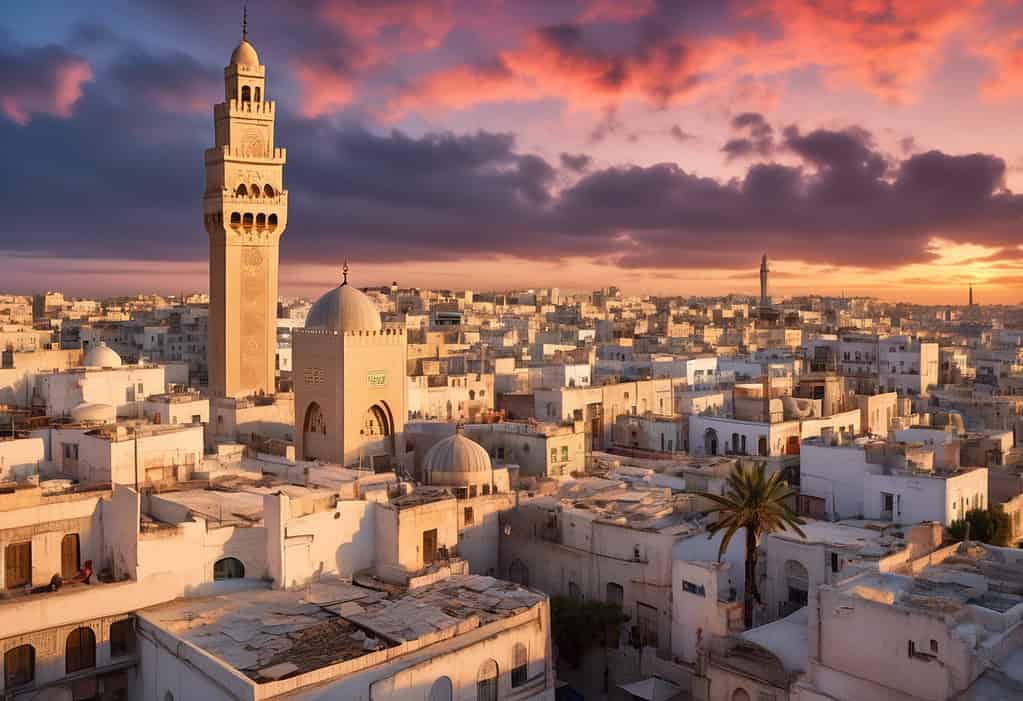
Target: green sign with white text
[{"x": 377, "y": 378}]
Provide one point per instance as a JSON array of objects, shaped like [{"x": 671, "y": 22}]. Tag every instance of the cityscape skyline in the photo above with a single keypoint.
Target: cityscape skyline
[{"x": 582, "y": 143}]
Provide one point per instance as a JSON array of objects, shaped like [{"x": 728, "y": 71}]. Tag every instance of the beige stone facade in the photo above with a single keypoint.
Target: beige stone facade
[
  {"x": 245, "y": 210},
  {"x": 350, "y": 395}
]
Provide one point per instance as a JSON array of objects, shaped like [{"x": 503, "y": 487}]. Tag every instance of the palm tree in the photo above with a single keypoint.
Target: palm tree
[{"x": 756, "y": 503}]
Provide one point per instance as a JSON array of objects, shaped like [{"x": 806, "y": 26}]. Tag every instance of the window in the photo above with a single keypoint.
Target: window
[
  {"x": 934, "y": 646},
  {"x": 228, "y": 568},
  {"x": 574, "y": 592},
  {"x": 690, "y": 587},
  {"x": 70, "y": 451},
  {"x": 486, "y": 682},
  {"x": 520, "y": 670},
  {"x": 441, "y": 690},
  {"x": 246, "y": 94},
  {"x": 912, "y": 648},
  {"x": 467, "y": 516},
  {"x": 69, "y": 559},
  {"x": 564, "y": 453},
  {"x": 19, "y": 666},
  {"x": 17, "y": 565},
  {"x": 835, "y": 564},
  {"x": 554, "y": 454},
  {"x": 122, "y": 638},
  {"x": 80, "y": 650},
  {"x": 196, "y": 419}
]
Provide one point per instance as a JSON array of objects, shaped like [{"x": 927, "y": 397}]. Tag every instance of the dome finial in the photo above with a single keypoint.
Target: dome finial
[
  {"x": 344, "y": 273},
  {"x": 245, "y": 22}
]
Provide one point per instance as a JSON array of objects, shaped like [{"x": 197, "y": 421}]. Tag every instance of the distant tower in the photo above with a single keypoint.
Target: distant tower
[
  {"x": 971, "y": 295},
  {"x": 763, "y": 281},
  {"x": 245, "y": 208}
]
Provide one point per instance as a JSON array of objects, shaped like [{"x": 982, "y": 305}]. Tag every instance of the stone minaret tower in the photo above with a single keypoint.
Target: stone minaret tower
[
  {"x": 245, "y": 209},
  {"x": 763, "y": 281}
]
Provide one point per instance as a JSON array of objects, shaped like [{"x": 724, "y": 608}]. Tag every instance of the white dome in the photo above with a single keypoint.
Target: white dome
[
  {"x": 245, "y": 55},
  {"x": 89, "y": 412},
  {"x": 457, "y": 454},
  {"x": 101, "y": 356},
  {"x": 344, "y": 308}
]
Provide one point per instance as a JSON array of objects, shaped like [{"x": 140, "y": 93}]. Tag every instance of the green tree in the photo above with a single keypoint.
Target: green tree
[
  {"x": 987, "y": 526},
  {"x": 756, "y": 503},
  {"x": 578, "y": 625}
]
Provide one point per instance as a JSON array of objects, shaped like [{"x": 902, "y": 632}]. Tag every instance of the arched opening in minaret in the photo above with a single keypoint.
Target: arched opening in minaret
[
  {"x": 260, "y": 221},
  {"x": 268, "y": 191},
  {"x": 246, "y": 97},
  {"x": 256, "y": 95},
  {"x": 242, "y": 191},
  {"x": 247, "y": 221},
  {"x": 254, "y": 190},
  {"x": 272, "y": 221},
  {"x": 236, "y": 219}
]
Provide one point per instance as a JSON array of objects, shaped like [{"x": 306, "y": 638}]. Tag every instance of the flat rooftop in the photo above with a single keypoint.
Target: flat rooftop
[{"x": 272, "y": 634}]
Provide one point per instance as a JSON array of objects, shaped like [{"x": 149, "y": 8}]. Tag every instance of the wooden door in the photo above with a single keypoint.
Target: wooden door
[
  {"x": 17, "y": 565},
  {"x": 429, "y": 545},
  {"x": 69, "y": 556}
]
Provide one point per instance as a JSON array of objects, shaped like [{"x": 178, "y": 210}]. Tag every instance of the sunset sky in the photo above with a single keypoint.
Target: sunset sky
[{"x": 868, "y": 146}]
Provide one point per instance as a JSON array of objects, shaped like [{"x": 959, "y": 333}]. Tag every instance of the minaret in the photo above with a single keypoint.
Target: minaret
[
  {"x": 971, "y": 295},
  {"x": 763, "y": 281},
  {"x": 245, "y": 208}
]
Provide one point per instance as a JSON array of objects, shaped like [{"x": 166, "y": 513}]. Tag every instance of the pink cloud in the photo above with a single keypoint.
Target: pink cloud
[{"x": 41, "y": 81}]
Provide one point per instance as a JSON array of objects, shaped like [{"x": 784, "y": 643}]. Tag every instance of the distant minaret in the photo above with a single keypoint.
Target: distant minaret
[
  {"x": 763, "y": 281},
  {"x": 971, "y": 295}
]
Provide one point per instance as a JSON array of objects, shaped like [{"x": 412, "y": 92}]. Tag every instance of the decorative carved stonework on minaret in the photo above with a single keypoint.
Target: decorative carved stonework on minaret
[{"x": 245, "y": 209}]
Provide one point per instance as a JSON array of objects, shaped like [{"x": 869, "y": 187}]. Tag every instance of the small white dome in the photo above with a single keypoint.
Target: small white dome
[
  {"x": 457, "y": 454},
  {"x": 245, "y": 55},
  {"x": 101, "y": 356},
  {"x": 89, "y": 412},
  {"x": 344, "y": 308}
]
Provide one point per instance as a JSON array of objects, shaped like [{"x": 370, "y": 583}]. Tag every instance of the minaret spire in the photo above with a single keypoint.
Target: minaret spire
[
  {"x": 344, "y": 273},
  {"x": 245, "y": 22}
]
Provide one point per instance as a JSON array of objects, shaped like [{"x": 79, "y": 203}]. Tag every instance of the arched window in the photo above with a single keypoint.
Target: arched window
[
  {"x": 710, "y": 442},
  {"x": 272, "y": 221},
  {"x": 520, "y": 668},
  {"x": 242, "y": 191},
  {"x": 486, "y": 681},
  {"x": 798, "y": 580},
  {"x": 574, "y": 592},
  {"x": 268, "y": 191},
  {"x": 236, "y": 219},
  {"x": 254, "y": 190},
  {"x": 228, "y": 568},
  {"x": 735, "y": 442},
  {"x": 472, "y": 395},
  {"x": 19, "y": 666},
  {"x": 168, "y": 696},
  {"x": 740, "y": 695},
  {"x": 260, "y": 221},
  {"x": 246, "y": 96},
  {"x": 314, "y": 421},
  {"x": 762, "y": 445},
  {"x": 441, "y": 690},
  {"x": 256, "y": 95},
  {"x": 80, "y": 650},
  {"x": 247, "y": 220}
]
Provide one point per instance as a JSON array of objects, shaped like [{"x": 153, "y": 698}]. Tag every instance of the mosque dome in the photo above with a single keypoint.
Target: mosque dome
[
  {"x": 89, "y": 412},
  {"x": 245, "y": 55},
  {"x": 101, "y": 356},
  {"x": 344, "y": 308},
  {"x": 457, "y": 455}
]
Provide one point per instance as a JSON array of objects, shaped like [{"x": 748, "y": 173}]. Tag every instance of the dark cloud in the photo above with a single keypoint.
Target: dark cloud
[
  {"x": 183, "y": 84},
  {"x": 757, "y": 137},
  {"x": 578, "y": 162},
  {"x": 679, "y": 134}
]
